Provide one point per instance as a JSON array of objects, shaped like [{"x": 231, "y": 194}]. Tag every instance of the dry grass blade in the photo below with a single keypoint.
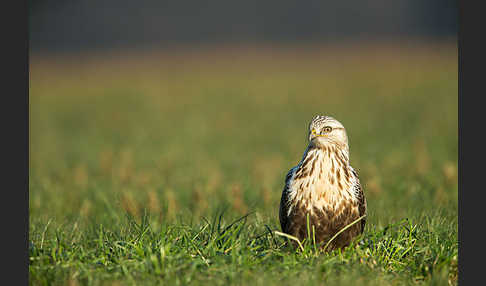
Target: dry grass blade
[
  {"x": 290, "y": 237},
  {"x": 343, "y": 229}
]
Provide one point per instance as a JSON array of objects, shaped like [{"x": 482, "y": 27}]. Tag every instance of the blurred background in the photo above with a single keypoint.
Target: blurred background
[
  {"x": 181, "y": 107},
  {"x": 67, "y": 25}
]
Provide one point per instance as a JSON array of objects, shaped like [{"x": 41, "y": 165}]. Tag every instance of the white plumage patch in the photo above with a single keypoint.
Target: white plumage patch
[{"x": 315, "y": 182}]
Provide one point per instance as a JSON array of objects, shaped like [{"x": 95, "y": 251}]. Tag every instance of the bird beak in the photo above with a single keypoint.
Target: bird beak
[{"x": 314, "y": 134}]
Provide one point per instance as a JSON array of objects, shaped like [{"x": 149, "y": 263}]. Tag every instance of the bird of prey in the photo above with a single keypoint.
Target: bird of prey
[{"x": 323, "y": 189}]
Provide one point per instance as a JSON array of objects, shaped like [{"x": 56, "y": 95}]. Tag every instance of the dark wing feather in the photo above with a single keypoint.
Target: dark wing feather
[
  {"x": 361, "y": 200},
  {"x": 284, "y": 203}
]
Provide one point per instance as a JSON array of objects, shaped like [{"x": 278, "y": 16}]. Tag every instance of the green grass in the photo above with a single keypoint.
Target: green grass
[{"x": 167, "y": 168}]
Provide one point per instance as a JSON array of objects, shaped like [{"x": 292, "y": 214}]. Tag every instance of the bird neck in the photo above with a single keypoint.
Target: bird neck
[
  {"x": 325, "y": 158},
  {"x": 329, "y": 150}
]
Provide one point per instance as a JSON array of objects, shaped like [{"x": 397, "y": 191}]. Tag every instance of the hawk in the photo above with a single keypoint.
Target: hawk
[{"x": 325, "y": 188}]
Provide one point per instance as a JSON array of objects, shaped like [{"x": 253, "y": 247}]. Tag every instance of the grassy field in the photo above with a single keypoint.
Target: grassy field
[{"x": 167, "y": 167}]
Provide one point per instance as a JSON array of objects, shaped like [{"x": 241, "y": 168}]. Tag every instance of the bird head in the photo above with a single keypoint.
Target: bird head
[{"x": 325, "y": 130}]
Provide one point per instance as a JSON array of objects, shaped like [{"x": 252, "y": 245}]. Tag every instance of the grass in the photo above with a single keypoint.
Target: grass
[{"x": 167, "y": 167}]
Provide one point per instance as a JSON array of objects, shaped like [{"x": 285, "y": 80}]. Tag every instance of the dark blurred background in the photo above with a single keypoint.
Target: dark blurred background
[{"x": 72, "y": 25}]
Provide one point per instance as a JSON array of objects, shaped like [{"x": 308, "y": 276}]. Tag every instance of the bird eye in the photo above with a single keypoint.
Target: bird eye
[{"x": 327, "y": 129}]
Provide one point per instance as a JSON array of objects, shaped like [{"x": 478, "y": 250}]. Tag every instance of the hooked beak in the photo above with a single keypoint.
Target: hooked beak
[{"x": 314, "y": 134}]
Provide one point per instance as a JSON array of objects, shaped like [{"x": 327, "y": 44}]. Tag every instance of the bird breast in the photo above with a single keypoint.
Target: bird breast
[{"x": 323, "y": 180}]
